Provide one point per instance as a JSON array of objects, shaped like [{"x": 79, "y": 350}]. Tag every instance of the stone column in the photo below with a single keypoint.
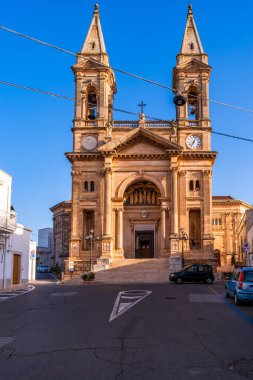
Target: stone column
[
  {"x": 78, "y": 113},
  {"x": 182, "y": 200},
  {"x": 119, "y": 231},
  {"x": 207, "y": 211},
  {"x": 108, "y": 202},
  {"x": 207, "y": 191},
  {"x": 163, "y": 228},
  {"x": 174, "y": 172},
  {"x": 75, "y": 233}
]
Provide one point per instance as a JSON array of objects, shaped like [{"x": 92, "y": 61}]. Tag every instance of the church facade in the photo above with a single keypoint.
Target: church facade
[{"x": 141, "y": 187}]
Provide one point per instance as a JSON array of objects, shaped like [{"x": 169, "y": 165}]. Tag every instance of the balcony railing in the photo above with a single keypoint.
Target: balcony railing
[{"x": 7, "y": 222}]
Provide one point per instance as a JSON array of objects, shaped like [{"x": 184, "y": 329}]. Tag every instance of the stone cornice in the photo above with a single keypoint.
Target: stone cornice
[
  {"x": 200, "y": 154},
  {"x": 73, "y": 156}
]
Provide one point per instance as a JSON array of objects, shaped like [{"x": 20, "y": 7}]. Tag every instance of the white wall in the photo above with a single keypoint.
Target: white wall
[
  {"x": 16, "y": 244},
  {"x": 5, "y": 193}
]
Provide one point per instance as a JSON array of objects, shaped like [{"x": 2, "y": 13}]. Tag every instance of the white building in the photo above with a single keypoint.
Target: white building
[
  {"x": 15, "y": 241},
  {"x": 45, "y": 246}
]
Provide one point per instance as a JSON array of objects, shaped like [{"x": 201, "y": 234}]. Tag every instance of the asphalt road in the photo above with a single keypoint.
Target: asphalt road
[{"x": 187, "y": 331}]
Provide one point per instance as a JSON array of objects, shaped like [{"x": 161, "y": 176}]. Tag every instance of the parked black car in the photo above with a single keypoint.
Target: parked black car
[{"x": 194, "y": 273}]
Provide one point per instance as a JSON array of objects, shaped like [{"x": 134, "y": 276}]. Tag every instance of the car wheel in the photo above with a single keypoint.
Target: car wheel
[
  {"x": 209, "y": 280},
  {"x": 237, "y": 300},
  {"x": 227, "y": 295},
  {"x": 179, "y": 280}
]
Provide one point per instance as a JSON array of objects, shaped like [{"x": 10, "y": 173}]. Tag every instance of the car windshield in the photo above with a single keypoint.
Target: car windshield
[
  {"x": 248, "y": 276},
  {"x": 187, "y": 267}
]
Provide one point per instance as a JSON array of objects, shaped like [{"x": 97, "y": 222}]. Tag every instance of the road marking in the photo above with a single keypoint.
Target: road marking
[
  {"x": 126, "y": 300},
  {"x": 63, "y": 294},
  {"x": 5, "y": 340},
  {"x": 240, "y": 313},
  {"x": 213, "y": 290},
  {"x": 7, "y": 295},
  {"x": 214, "y": 298}
]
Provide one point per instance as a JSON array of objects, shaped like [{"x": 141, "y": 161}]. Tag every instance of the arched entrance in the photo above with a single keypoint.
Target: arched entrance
[{"x": 142, "y": 210}]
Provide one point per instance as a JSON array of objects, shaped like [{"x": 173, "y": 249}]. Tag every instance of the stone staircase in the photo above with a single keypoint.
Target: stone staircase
[{"x": 122, "y": 271}]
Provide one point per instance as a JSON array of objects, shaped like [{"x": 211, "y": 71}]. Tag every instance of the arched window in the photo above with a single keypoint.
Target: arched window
[
  {"x": 197, "y": 185},
  {"x": 193, "y": 105},
  {"x": 191, "y": 185},
  {"x": 92, "y": 104},
  {"x": 86, "y": 186},
  {"x": 92, "y": 186},
  {"x": 142, "y": 193}
]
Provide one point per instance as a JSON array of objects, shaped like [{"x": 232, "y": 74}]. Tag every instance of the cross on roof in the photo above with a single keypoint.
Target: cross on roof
[{"x": 142, "y": 105}]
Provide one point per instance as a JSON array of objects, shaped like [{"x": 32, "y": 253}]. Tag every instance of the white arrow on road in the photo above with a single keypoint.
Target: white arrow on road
[{"x": 127, "y": 299}]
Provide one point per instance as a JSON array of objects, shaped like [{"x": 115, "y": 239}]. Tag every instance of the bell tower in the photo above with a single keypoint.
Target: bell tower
[
  {"x": 95, "y": 81},
  {"x": 191, "y": 80},
  {"x": 191, "y": 77}
]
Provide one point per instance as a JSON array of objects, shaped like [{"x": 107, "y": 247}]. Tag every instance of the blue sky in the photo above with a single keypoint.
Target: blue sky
[{"x": 142, "y": 37}]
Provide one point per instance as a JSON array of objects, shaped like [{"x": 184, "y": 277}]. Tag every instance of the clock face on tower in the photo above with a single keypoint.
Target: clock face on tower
[
  {"x": 193, "y": 142},
  {"x": 89, "y": 142}
]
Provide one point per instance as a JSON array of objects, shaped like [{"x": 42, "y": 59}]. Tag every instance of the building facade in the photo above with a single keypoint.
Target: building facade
[
  {"x": 61, "y": 234},
  {"x": 245, "y": 239},
  {"x": 229, "y": 229},
  {"x": 45, "y": 246},
  {"x": 138, "y": 183}
]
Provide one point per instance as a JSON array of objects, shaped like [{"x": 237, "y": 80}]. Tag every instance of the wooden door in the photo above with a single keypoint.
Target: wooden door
[
  {"x": 16, "y": 269},
  {"x": 144, "y": 244}
]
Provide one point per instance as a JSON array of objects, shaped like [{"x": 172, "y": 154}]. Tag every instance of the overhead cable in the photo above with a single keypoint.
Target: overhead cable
[
  {"x": 120, "y": 70},
  {"x": 53, "y": 94}
]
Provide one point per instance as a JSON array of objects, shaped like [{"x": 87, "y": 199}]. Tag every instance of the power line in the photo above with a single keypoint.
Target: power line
[
  {"x": 231, "y": 136},
  {"x": 53, "y": 94},
  {"x": 120, "y": 70}
]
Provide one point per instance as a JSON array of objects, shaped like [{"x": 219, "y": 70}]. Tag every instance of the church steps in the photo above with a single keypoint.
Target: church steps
[{"x": 135, "y": 271}]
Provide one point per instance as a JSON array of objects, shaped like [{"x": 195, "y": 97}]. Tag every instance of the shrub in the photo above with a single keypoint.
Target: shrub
[{"x": 88, "y": 276}]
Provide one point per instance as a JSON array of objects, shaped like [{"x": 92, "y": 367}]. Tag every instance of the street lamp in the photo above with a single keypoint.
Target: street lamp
[
  {"x": 90, "y": 238},
  {"x": 183, "y": 236}
]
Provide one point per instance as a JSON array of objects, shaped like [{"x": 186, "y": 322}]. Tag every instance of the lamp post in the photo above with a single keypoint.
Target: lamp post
[
  {"x": 90, "y": 238},
  {"x": 183, "y": 236}
]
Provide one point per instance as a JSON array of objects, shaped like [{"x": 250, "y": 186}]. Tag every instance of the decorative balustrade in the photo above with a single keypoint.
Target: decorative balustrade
[
  {"x": 126, "y": 123},
  {"x": 148, "y": 124}
]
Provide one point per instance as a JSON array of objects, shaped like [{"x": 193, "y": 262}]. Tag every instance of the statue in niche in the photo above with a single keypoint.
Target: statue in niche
[
  {"x": 136, "y": 198},
  {"x": 148, "y": 197},
  {"x": 140, "y": 197},
  {"x": 108, "y": 129},
  {"x": 131, "y": 199},
  {"x": 144, "y": 197},
  {"x": 153, "y": 198}
]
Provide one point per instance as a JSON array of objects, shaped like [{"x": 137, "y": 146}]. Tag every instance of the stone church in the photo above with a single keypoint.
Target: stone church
[{"x": 143, "y": 188}]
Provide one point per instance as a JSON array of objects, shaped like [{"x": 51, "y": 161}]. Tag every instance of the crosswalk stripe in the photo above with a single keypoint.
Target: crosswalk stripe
[{"x": 7, "y": 295}]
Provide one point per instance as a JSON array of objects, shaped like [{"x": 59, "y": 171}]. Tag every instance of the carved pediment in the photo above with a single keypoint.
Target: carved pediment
[
  {"x": 141, "y": 147},
  {"x": 193, "y": 64},
  {"x": 141, "y": 141}
]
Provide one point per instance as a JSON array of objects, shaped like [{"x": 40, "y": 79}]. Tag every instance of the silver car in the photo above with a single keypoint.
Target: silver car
[
  {"x": 240, "y": 285},
  {"x": 43, "y": 269}
]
